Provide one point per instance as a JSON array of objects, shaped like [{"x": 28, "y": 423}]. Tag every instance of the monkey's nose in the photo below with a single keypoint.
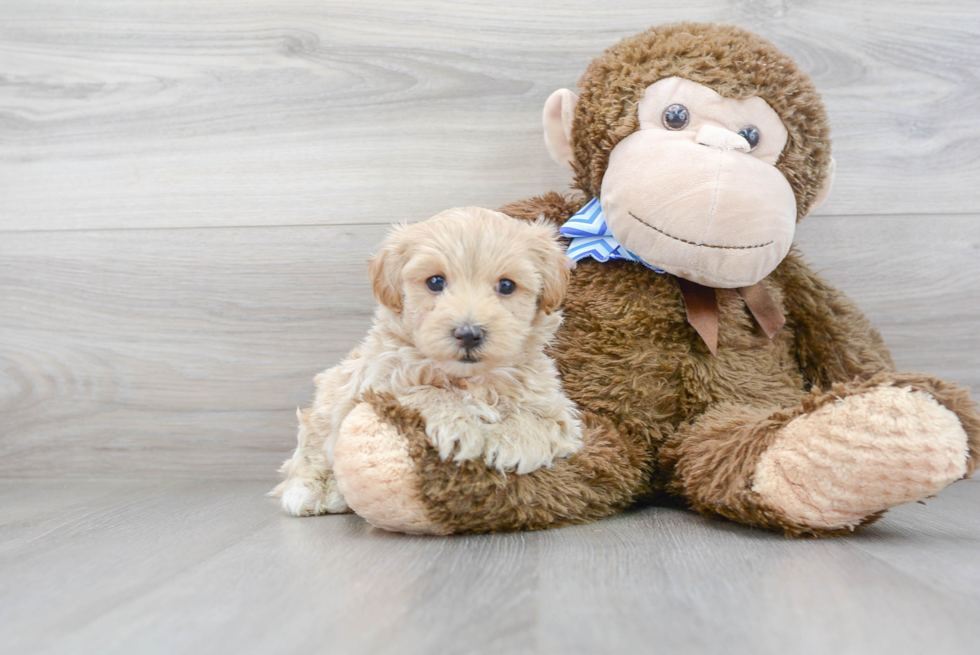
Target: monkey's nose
[
  {"x": 469, "y": 336},
  {"x": 718, "y": 137}
]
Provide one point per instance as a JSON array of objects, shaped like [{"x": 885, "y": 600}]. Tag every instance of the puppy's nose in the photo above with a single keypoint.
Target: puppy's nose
[{"x": 469, "y": 336}]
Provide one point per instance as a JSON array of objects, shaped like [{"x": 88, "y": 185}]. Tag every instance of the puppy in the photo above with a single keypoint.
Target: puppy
[{"x": 468, "y": 301}]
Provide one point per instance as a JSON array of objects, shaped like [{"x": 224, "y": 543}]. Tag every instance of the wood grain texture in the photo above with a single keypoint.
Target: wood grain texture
[
  {"x": 199, "y": 567},
  {"x": 295, "y": 112},
  {"x": 917, "y": 278},
  {"x": 173, "y": 346},
  {"x": 185, "y": 352}
]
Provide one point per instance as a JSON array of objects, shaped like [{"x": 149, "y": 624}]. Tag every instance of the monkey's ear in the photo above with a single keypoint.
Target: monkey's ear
[
  {"x": 824, "y": 191},
  {"x": 559, "y": 112},
  {"x": 385, "y": 272}
]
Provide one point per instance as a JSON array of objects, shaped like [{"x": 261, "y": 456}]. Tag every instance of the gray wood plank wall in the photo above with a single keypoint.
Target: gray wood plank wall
[{"x": 188, "y": 192}]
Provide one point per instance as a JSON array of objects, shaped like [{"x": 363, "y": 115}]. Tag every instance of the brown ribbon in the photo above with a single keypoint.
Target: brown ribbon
[
  {"x": 767, "y": 313},
  {"x": 701, "y": 304}
]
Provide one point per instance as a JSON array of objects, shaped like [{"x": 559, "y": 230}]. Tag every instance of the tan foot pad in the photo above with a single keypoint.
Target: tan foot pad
[
  {"x": 376, "y": 475},
  {"x": 860, "y": 455}
]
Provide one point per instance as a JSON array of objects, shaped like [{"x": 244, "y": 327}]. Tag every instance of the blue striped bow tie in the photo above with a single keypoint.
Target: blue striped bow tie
[{"x": 591, "y": 237}]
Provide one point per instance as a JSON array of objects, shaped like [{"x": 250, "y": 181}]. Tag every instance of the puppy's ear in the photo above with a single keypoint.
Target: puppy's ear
[
  {"x": 553, "y": 265},
  {"x": 385, "y": 270}
]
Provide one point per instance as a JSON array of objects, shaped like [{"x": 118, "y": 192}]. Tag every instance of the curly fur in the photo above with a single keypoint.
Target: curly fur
[{"x": 501, "y": 403}]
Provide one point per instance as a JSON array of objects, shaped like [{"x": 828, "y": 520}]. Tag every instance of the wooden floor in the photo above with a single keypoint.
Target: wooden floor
[{"x": 185, "y": 566}]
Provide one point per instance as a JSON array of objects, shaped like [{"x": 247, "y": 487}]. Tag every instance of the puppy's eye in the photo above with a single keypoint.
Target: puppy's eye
[
  {"x": 506, "y": 287},
  {"x": 676, "y": 117},
  {"x": 436, "y": 283}
]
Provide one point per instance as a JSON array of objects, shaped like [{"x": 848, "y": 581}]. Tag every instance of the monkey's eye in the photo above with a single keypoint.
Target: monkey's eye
[
  {"x": 676, "y": 117},
  {"x": 506, "y": 287},
  {"x": 752, "y": 135},
  {"x": 436, "y": 283}
]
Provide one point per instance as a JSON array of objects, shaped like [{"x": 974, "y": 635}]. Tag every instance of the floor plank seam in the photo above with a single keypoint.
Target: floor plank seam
[{"x": 164, "y": 228}]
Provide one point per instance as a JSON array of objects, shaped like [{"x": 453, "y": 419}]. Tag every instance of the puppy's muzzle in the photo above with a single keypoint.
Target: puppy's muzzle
[{"x": 469, "y": 337}]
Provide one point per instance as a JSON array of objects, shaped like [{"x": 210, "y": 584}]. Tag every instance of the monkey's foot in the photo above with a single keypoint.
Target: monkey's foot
[{"x": 860, "y": 455}]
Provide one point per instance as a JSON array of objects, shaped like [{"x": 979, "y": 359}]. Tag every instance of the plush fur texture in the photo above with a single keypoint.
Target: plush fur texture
[
  {"x": 734, "y": 62},
  {"x": 499, "y": 402},
  {"x": 597, "y": 481},
  {"x": 665, "y": 419}
]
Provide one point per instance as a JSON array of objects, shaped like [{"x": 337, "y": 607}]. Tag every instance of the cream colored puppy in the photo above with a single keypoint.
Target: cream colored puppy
[{"x": 468, "y": 301}]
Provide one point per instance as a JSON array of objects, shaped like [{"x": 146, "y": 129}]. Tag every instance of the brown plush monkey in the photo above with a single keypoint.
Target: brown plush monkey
[{"x": 712, "y": 366}]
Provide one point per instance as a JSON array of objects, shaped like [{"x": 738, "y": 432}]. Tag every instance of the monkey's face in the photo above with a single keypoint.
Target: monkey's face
[{"x": 695, "y": 190}]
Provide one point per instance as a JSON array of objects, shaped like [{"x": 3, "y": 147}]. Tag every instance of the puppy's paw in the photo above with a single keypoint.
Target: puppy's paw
[
  {"x": 458, "y": 435},
  {"x": 462, "y": 435},
  {"x": 451, "y": 424},
  {"x": 529, "y": 447},
  {"x": 311, "y": 497}
]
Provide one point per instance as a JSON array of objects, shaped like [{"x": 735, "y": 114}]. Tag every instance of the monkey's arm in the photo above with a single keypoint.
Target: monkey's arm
[
  {"x": 836, "y": 345},
  {"x": 835, "y": 342},
  {"x": 392, "y": 475}
]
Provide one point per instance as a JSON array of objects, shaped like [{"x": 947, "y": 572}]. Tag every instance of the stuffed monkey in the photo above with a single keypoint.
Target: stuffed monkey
[{"x": 712, "y": 366}]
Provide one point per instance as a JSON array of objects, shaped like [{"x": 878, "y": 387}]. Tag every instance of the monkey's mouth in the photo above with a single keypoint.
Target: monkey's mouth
[{"x": 691, "y": 243}]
